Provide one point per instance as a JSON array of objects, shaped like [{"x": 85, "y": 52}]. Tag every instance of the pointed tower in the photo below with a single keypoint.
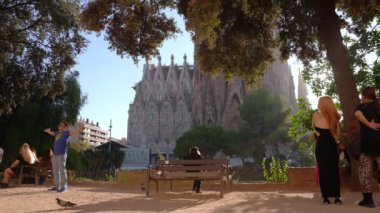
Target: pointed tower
[
  {"x": 159, "y": 89},
  {"x": 146, "y": 71},
  {"x": 185, "y": 79},
  {"x": 302, "y": 89},
  {"x": 172, "y": 79},
  {"x": 159, "y": 75},
  {"x": 145, "y": 90}
]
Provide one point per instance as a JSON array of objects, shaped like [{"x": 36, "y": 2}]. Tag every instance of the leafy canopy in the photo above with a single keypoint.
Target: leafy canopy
[
  {"x": 27, "y": 122},
  {"x": 209, "y": 139},
  {"x": 242, "y": 37},
  {"x": 39, "y": 41},
  {"x": 364, "y": 53},
  {"x": 133, "y": 28}
]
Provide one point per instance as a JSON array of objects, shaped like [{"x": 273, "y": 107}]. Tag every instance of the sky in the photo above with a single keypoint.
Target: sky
[{"x": 107, "y": 79}]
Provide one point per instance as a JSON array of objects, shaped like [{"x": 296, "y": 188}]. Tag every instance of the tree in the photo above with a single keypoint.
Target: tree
[
  {"x": 301, "y": 121},
  {"x": 133, "y": 28},
  {"x": 307, "y": 29},
  {"x": 209, "y": 139},
  {"x": 300, "y": 129},
  {"x": 364, "y": 58},
  {"x": 263, "y": 117},
  {"x": 27, "y": 122},
  {"x": 38, "y": 45},
  {"x": 239, "y": 37}
]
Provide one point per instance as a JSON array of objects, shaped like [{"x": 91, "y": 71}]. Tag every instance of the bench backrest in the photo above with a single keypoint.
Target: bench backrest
[{"x": 191, "y": 168}]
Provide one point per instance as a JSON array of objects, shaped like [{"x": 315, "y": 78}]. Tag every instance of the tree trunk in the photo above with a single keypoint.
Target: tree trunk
[{"x": 337, "y": 55}]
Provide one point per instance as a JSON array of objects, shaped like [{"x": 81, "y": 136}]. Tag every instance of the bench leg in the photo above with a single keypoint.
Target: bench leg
[
  {"x": 20, "y": 178},
  {"x": 221, "y": 189},
  {"x": 156, "y": 186},
  {"x": 221, "y": 183},
  {"x": 147, "y": 188},
  {"x": 147, "y": 181},
  {"x": 36, "y": 179}
]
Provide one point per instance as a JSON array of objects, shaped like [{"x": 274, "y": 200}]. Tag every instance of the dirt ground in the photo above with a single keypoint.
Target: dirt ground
[{"x": 116, "y": 198}]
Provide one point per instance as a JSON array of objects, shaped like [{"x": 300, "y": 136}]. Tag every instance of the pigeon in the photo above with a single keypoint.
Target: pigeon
[{"x": 64, "y": 203}]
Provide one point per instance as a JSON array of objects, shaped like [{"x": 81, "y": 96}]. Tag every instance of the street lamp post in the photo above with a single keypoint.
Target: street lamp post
[{"x": 110, "y": 140}]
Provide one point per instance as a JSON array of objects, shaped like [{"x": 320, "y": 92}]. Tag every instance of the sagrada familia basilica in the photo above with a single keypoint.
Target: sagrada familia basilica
[{"x": 172, "y": 99}]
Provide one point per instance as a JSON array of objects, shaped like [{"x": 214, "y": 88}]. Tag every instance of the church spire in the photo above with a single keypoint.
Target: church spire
[
  {"x": 159, "y": 75},
  {"x": 302, "y": 89},
  {"x": 172, "y": 77},
  {"x": 185, "y": 70},
  {"x": 185, "y": 79},
  {"x": 146, "y": 72}
]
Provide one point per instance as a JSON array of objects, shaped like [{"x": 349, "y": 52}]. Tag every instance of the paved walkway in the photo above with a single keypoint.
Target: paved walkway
[{"x": 116, "y": 199}]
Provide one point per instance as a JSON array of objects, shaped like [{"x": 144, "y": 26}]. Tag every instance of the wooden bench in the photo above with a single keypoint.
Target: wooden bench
[
  {"x": 190, "y": 170},
  {"x": 35, "y": 171}
]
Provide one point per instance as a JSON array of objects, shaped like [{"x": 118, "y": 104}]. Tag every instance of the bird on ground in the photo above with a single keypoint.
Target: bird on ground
[{"x": 65, "y": 203}]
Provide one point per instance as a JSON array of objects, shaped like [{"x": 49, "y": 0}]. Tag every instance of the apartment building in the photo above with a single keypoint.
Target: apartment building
[{"x": 92, "y": 133}]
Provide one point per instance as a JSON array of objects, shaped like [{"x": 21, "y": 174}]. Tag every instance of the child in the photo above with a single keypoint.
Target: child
[{"x": 60, "y": 154}]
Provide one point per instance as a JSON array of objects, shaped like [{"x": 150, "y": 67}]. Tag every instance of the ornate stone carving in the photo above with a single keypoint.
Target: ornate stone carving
[{"x": 178, "y": 98}]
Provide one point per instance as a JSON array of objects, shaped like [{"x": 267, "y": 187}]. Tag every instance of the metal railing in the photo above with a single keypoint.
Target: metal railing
[{"x": 104, "y": 175}]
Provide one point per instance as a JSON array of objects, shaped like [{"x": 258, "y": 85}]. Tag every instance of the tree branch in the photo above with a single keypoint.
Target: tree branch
[{"x": 32, "y": 25}]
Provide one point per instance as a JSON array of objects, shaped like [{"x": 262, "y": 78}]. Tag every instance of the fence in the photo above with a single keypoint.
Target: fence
[{"x": 105, "y": 175}]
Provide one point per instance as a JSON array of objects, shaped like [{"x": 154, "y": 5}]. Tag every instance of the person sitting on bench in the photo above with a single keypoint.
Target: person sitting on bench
[
  {"x": 25, "y": 157},
  {"x": 194, "y": 154}
]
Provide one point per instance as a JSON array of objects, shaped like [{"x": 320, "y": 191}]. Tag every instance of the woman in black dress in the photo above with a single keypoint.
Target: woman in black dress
[
  {"x": 368, "y": 114},
  {"x": 326, "y": 131}
]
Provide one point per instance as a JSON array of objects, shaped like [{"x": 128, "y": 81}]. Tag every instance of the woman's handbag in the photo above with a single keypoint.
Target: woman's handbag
[{"x": 353, "y": 148}]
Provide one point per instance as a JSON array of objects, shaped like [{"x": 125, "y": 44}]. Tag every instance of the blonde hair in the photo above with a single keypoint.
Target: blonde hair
[
  {"x": 328, "y": 110},
  {"x": 29, "y": 156}
]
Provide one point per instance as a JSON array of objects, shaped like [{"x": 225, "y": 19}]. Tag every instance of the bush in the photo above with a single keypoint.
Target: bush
[
  {"x": 277, "y": 173},
  {"x": 74, "y": 161}
]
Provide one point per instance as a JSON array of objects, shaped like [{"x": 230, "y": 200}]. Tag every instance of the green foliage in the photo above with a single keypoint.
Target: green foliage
[
  {"x": 305, "y": 149},
  {"x": 277, "y": 172},
  {"x": 263, "y": 118},
  {"x": 210, "y": 139},
  {"x": 228, "y": 37},
  {"x": 39, "y": 43},
  {"x": 118, "y": 158},
  {"x": 99, "y": 160},
  {"x": 299, "y": 130},
  {"x": 133, "y": 28},
  {"x": 27, "y": 122},
  {"x": 363, "y": 52},
  {"x": 80, "y": 146},
  {"x": 301, "y": 121},
  {"x": 110, "y": 178},
  {"x": 240, "y": 37},
  {"x": 74, "y": 161}
]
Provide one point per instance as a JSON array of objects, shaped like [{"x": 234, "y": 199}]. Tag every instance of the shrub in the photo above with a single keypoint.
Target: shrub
[
  {"x": 277, "y": 173},
  {"x": 74, "y": 161}
]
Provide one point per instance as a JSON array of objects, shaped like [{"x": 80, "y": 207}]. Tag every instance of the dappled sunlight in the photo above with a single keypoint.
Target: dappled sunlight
[{"x": 93, "y": 198}]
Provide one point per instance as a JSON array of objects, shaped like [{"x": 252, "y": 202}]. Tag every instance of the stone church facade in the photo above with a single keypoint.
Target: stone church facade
[{"x": 172, "y": 99}]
